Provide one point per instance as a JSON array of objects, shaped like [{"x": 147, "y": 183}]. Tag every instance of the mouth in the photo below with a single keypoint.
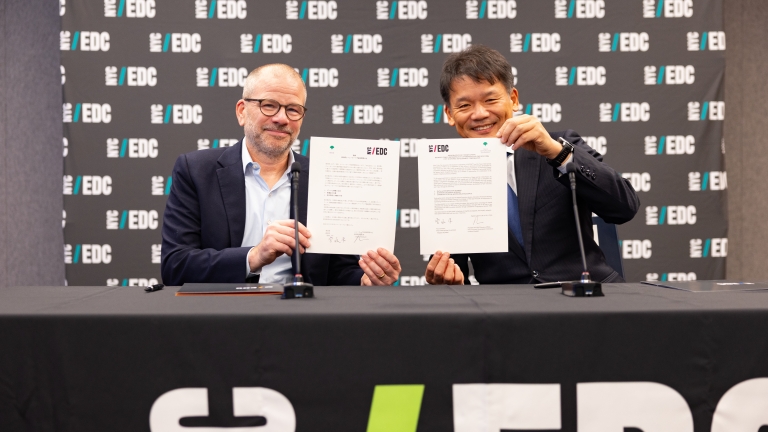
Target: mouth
[
  {"x": 278, "y": 132},
  {"x": 486, "y": 128}
]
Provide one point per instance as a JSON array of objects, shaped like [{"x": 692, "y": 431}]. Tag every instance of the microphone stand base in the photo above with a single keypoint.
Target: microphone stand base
[
  {"x": 298, "y": 289},
  {"x": 582, "y": 289}
]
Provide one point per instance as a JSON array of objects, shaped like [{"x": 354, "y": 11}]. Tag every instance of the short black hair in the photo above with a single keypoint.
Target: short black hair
[{"x": 479, "y": 63}]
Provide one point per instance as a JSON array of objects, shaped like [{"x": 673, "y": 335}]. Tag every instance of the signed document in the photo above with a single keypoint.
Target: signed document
[
  {"x": 352, "y": 205},
  {"x": 463, "y": 195}
]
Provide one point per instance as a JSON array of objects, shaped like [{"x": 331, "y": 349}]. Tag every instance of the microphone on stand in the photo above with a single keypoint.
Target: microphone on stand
[
  {"x": 584, "y": 287},
  {"x": 298, "y": 288}
]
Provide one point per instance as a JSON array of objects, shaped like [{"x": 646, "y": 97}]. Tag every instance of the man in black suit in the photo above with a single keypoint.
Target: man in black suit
[
  {"x": 480, "y": 100},
  {"x": 229, "y": 218}
]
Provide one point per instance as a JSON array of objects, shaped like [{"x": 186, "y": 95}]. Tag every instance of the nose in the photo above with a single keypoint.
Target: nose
[
  {"x": 280, "y": 116},
  {"x": 479, "y": 112}
]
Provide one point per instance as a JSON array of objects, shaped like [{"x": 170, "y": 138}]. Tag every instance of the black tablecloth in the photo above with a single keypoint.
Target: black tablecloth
[{"x": 97, "y": 358}]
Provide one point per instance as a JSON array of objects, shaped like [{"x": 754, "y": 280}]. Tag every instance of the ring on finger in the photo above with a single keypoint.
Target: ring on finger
[{"x": 382, "y": 275}]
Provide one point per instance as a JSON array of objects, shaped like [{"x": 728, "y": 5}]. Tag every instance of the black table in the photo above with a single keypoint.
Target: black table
[{"x": 98, "y": 358}]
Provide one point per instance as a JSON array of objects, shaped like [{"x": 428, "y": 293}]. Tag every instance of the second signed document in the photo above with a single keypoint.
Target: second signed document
[{"x": 462, "y": 195}]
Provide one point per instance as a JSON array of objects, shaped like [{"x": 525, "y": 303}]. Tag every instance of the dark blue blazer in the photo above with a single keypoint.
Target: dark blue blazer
[
  {"x": 550, "y": 250},
  {"x": 204, "y": 224}
]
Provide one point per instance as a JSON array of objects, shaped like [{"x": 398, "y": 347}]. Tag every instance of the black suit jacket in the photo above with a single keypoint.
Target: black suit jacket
[
  {"x": 551, "y": 249},
  {"x": 204, "y": 224}
]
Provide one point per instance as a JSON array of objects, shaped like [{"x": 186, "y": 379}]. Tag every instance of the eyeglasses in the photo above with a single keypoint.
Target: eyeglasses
[{"x": 271, "y": 107}]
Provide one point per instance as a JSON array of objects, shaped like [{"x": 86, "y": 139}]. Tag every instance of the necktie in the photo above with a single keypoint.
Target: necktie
[{"x": 513, "y": 211}]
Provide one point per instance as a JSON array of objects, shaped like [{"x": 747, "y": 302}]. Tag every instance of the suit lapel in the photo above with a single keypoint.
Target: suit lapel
[
  {"x": 232, "y": 185},
  {"x": 527, "y": 166}
]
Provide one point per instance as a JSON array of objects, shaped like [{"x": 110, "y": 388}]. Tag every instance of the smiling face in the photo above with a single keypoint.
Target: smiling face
[
  {"x": 271, "y": 136},
  {"x": 478, "y": 109}
]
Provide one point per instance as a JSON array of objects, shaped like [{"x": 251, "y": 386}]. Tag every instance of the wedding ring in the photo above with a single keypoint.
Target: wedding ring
[{"x": 382, "y": 275}]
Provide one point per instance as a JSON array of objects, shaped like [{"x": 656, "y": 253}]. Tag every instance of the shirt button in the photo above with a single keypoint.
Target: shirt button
[{"x": 535, "y": 274}]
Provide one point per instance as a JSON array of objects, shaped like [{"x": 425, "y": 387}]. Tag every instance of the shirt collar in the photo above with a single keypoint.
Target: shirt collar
[{"x": 247, "y": 160}]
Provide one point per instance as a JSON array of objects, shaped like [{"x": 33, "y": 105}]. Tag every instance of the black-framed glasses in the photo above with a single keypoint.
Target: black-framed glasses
[{"x": 271, "y": 107}]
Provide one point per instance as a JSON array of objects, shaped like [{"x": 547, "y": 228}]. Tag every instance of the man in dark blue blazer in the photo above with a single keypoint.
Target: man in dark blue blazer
[
  {"x": 480, "y": 101},
  {"x": 228, "y": 217}
]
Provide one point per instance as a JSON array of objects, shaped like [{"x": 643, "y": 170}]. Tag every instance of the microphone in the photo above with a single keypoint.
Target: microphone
[
  {"x": 584, "y": 287},
  {"x": 298, "y": 288}
]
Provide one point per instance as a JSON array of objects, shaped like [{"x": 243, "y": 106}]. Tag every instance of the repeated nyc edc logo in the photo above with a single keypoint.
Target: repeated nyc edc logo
[
  {"x": 579, "y": 9},
  {"x": 356, "y": 44},
  {"x": 491, "y": 9},
  {"x": 534, "y": 42},
  {"x": 407, "y": 148},
  {"x": 706, "y": 41},
  {"x": 175, "y": 42},
  {"x": 671, "y": 277},
  {"x": 408, "y": 218},
  {"x": 87, "y": 185},
  {"x": 580, "y": 75},
  {"x": 132, "y": 148},
  {"x": 87, "y": 254},
  {"x": 221, "y": 77},
  {"x": 545, "y": 112},
  {"x": 670, "y": 215},
  {"x": 319, "y": 77},
  {"x": 708, "y": 110},
  {"x": 204, "y": 143},
  {"x": 641, "y": 182},
  {"x": 301, "y": 147},
  {"x": 176, "y": 114},
  {"x": 84, "y": 41},
  {"x": 132, "y": 219},
  {"x": 312, "y": 10},
  {"x": 402, "y": 77},
  {"x": 357, "y": 114},
  {"x": 144, "y": 282},
  {"x": 636, "y": 249},
  {"x": 708, "y": 180},
  {"x": 161, "y": 185},
  {"x": 65, "y": 146},
  {"x": 401, "y": 10},
  {"x": 221, "y": 9},
  {"x": 131, "y": 76},
  {"x": 156, "y": 254},
  {"x": 129, "y": 8},
  {"x": 623, "y": 42},
  {"x": 266, "y": 43},
  {"x": 667, "y": 8},
  {"x": 669, "y": 74},
  {"x": 670, "y": 145},
  {"x": 708, "y": 248},
  {"x": 87, "y": 113},
  {"x": 625, "y": 112},
  {"x": 445, "y": 43},
  {"x": 598, "y": 143},
  {"x": 433, "y": 114}
]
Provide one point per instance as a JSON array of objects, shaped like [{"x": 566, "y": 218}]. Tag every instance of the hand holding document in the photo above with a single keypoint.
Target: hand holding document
[
  {"x": 352, "y": 204},
  {"x": 462, "y": 195}
]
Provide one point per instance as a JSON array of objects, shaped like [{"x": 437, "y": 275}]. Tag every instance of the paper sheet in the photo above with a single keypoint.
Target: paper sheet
[
  {"x": 352, "y": 206},
  {"x": 462, "y": 195}
]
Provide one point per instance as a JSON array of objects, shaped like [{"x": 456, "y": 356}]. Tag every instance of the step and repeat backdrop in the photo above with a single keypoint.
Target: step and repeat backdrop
[{"x": 146, "y": 80}]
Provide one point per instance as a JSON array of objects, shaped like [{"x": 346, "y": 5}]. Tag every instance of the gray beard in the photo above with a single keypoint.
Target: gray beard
[{"x": 273, "y": 152}]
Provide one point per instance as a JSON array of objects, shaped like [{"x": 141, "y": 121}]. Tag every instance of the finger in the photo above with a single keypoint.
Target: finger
[
  {"x": 304, "y": 231},
  {"x": 281, "y": 230},
  {"x": 365, "y": 280},
  {"x": 449, "y": 272},
  {"x": 520, "y": 131},
  {"x": 507, "y": 129},
  {"x": 385, "y": 266},
  {"x": 458, "y": 274},
  {"x": 430, "y": 272},
  {"x": 390, "y": 257},
  {"x": 372, "y": 275},
  {"x": 440, "y": 269},
  {"x": 375, "y": 267}
]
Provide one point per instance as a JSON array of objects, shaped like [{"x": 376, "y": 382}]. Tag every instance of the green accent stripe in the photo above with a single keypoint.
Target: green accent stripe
[
  {"x": 573, "y": 76},
  {"x": 78, "y": 180},
  {"x": 704, "y": 109},
  {"x": 662, "y": 140},
  {"x": 660, "y": 78},
  {"x": 393, "y": 10},
  {"x": 348, "y": 119},
  {"x": 482, "y": 9},
  {"x": 74, "y": 41},
  {"x": 123, "y": 147},
  {"x": 616, "y": 109},
  {"x": 704, "y": 180},
  {"x": 212, "y": 10},
  {"x": 122, "y": 7},
  {"x": 212, "y": 81},
  {"x": 615, "y": 43},
  {"x": 168, "y": 185},
  {"x": 303, "y": 10},
  {"x": 395, "y": 408},
  {"x": 122, "y": 76},
  {"x": 123, "y": 218},
  {"x": 348, "y": 44},
  {"x": 167, "y": 114},
  {"x": 166, "y": 42},
  {"x": 527, "y": 42},
  {"x": 570, "y": 8},
  {"x": 393, "y": 80},
  {"x": 257, "y": 44},
  {"x": 438, "y": 41},
  {"x": 662, "y": 215},
  {"x": 703, "y": 44},
  {"x": 706, "y": 248},
  {"x": 77, "y": 255},
  {"x": 659, "y": 8}
]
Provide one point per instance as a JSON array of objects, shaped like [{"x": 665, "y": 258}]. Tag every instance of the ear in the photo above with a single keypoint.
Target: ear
[
  {"x": 447, "y": 111},
  {"x": 240, "y": 112},
  {"x": 514, "y": 97}
]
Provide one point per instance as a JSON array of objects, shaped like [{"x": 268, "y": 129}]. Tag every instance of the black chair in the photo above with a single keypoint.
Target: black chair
[{"x": 607, "y": 237}]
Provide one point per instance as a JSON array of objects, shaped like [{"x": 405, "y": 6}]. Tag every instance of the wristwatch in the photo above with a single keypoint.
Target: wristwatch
[{"x": 563, "y": 155}]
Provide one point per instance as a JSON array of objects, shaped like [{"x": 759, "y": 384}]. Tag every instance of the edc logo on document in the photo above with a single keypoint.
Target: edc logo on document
[
  {"x": 221, "y": 9},
  {"x": 129, "y": 9},
  {"x": 439, "y": 148},
  {"x": 312, "y": 9},
  {"x": 378, "y": 151}
]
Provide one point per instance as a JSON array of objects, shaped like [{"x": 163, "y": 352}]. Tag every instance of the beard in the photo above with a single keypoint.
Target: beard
[{"x": 268, "y": 145}]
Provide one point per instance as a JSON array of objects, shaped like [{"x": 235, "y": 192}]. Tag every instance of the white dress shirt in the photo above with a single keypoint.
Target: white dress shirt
[{"x": 262, "y": 207}]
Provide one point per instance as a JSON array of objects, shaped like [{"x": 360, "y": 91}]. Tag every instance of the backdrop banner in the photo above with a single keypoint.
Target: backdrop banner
[{"x": 146, "y": 80}]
